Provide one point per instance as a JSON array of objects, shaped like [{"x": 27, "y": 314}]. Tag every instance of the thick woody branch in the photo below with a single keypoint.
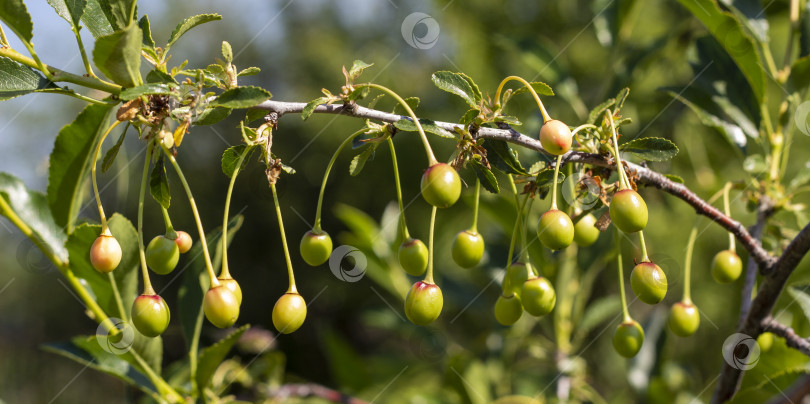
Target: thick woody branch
[
  {"x": 792, "y": 340},
  {"x": 645, "y": 175},
  {"x": 761, "y": 307}
]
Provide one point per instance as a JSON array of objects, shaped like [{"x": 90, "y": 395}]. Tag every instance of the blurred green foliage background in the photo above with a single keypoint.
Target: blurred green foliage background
[{"x": 355, "y": 339}]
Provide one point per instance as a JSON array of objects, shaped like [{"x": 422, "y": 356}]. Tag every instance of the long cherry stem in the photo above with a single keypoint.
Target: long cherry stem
[
  {"x": 428, "y": 150},
  {"x": 147, "y": 283},
  {"x": 546, "y": 117},
  {"x": 402, "y": 223},
  {"x": 625, "y": 311},
  {"x": 474, "y": 226},
  {"x": 104, "y": 229},
  {"x": 290, "y": 274},
  {"x": 317, "y": 226},
  {"x": 644, "y": 257},
  {"x": 225, "y": 272},
  {"x": 203, "y": 243},
  {"x": 732, "y": 244},
  {"x": 554, "y": 184},
  {"x": 624, "y": 183},
  {"x": 687, "y": 266},
  {"x": 429, "y": 276}
]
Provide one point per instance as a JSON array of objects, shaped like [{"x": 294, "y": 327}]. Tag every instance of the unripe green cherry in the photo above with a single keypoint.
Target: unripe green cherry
[
  {"x": 628, "y": 338},
  {"x": 232, "y": 285},
  {"x": 684, "y": 319},
  {"x": 765, "y": 341},
  {"x": 413, "y": 256},
  {"x": 150, "y": 315},
  {"x": 289, "y": 313},
  {"x": 516, "y": 276},
  {"x": 538, "y": 296},
  {"x": 423, "y": 303},
  {"x": 162, "y": 255},
  {"x": 628, "y": 211},
  {"x": 316, "y": 247},
  {"x": 726, "y": 266},
  {"x": 585, "y": 233},
  {"x": 441, "y": 185},
  {"x": 649, "y": 282},
  {"x": 221, "y": 307},
  {"x": 105, "y": 253},
  {"x": 555, "y": 229},
  {"x": 508, "y": 309},
  {"x": 555, "y": 136},
  {"x": 183, "y": 242},
  {"x": 468, "y": 249}
]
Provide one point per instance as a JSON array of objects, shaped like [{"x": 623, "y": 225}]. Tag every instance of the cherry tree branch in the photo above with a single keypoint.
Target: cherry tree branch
[
  {"x": 644, "y": 174},
  {"x": 792, "y": 340}
]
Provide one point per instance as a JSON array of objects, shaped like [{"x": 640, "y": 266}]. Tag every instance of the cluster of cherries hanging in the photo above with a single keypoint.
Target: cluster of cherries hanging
[{"x": 523, "y": 287}]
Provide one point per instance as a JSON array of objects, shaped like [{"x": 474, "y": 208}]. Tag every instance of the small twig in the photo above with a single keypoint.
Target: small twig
[{"x": 792, "y": 340}]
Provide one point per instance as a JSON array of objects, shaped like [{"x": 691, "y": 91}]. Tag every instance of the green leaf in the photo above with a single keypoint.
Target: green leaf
[
  {"x": 509, "y": 120},
  {"x": 539, "y": 87},
  {"x": 485, "y": 175},
  {"x": 118, "y": 11},
  {"x": 804, "y": 30},
  {"x": 545, "y": 178},
  {"x": 71, "y": 161},
  {"x": 621, "y": 97},
  {"x": 469, "y": 116},
  {"x": 429, "y": 126},
  {"x": 146, "y": 28},
  {"x": 159, "y": 184},
  {"x": 241, "y": 97},
  {"x": 357, "y": 69},
  {"x": 674, "y": 178},
  {"x": 503, "y": 157},
  {"x": 32, "y": 208},
  {"x": 413, "y": 103},
  {"x": 596, "y": 113},
  {"x": 96, "y": 20},
  {"x": 17, "y": 80},
  {"x": 211, "y": 116},
  {"x": 231, "y": 157},
  {"x": 310, "y": 107},
  {"x": 87, "y": 350},
  {"x": 15, "y": 15},
  {"x": 730, "y": 34},
  {"x": 801, "y": 178},
  {"x": 111, "y": 154},
  {"x": 359, "y": 161},
  {"x": 250, "y": 71},
  {"x": 125, "y": 275},
  {"x": 651, "y": 148},
  {"x": 227, "y": 52},
  {"x": 157, "y": 76},
  {"x": 731, "y": 131},
  {"x": 476, "y": 91},
  {"x": 456, "y": 83},
  {"x": 799, "y": 77},
  {"x": 148, "y": 89},
  {"x": 118, "y": 55},
  {"x": 190, "y": 23},
  {"x": 70, "y": 10},
  {"x": 212, "y": 356}
]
